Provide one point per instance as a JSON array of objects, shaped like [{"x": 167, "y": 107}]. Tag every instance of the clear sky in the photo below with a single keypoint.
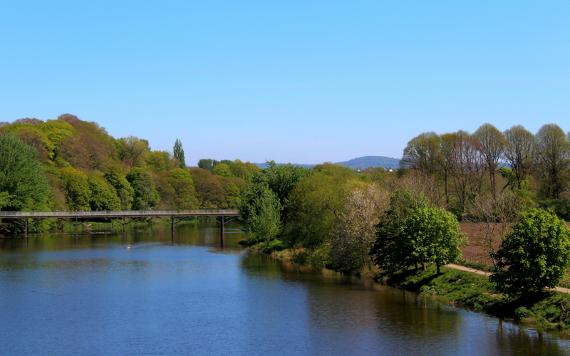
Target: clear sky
[{"x": 295, "y": 80}]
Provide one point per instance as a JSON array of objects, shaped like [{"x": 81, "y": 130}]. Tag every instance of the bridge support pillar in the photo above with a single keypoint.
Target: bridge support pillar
[
  {"x": 172, "y": 223},
  {"x": 222, "y": 223},
  {"x": 26, "y": 227}
]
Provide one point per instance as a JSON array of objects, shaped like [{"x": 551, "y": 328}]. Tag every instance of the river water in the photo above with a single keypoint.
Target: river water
[{"x": 146, "y": 293}]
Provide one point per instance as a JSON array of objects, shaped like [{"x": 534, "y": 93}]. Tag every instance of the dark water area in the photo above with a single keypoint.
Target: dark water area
[{"x": 145, "y": 293}]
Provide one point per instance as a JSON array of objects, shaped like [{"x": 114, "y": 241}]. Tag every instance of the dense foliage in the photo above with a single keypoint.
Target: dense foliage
[
  {"x": 23, "y": 185},
  {"x": 535, "y": 255},
  {"x": 412, "y": 233},
  {"x": 72, "y": 164}
]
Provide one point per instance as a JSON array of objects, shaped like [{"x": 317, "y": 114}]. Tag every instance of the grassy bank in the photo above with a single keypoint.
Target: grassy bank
[{"x": 547, "y": 312}]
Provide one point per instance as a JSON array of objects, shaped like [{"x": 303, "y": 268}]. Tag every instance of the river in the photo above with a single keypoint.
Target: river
[{"x": 146, "y": 293}]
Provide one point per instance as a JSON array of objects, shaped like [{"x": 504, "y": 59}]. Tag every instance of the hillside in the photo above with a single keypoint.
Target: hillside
[{"x": 82, "y": 167}]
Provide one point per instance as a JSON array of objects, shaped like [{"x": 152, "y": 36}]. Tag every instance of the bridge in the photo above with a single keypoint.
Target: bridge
[{"x": 221, "y": 214}]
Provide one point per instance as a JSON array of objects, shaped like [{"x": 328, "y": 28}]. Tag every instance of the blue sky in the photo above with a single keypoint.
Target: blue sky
[{"x": 303, "y": 81}]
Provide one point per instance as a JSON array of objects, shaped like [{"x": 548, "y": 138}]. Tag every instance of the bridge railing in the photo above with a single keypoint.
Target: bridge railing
[{"x": 118, "y": 214}]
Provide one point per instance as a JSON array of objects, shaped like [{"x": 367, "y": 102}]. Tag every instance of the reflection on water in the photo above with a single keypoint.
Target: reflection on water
[{"x": 147, "y": 292}]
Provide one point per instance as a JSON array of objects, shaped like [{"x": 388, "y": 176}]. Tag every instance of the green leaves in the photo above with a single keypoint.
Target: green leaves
[
  {"x": 413, "y": 233},
  {"x": 534, "y": 255},
  {"x": 145, "y": 194},
  {"x": 261, "y": 212},
  {"x": 23, "y": 185}
]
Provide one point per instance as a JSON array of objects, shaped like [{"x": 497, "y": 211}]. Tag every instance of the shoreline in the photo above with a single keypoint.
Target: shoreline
[{"x": 461, "y": 287}]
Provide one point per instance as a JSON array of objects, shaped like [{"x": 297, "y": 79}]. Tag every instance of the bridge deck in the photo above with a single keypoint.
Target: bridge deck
[{"x": 118, "y": 214}]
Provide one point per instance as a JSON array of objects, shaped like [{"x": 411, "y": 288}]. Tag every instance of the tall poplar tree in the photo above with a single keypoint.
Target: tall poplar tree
[{"x": 179, "y": 153}]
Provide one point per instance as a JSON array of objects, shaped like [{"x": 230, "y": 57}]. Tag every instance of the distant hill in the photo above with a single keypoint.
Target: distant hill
[
  {"x": 357, "y": 163},
  {"x": 372, "y": 161}
]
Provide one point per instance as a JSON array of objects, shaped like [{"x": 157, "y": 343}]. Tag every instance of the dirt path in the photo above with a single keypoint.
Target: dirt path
[{"x": 487, "y": 274}]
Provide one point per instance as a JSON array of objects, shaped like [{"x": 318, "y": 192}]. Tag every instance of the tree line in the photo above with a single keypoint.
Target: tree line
[
  {"x": 463, "y": 168},
  {"x": 71, "y": 164}
]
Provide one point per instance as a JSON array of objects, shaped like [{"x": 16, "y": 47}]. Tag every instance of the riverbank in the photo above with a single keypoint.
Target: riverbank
[{"x": 462, "y": 288}]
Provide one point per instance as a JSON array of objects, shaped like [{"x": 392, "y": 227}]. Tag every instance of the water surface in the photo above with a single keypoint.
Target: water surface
[{"x": 146, "y": 293}]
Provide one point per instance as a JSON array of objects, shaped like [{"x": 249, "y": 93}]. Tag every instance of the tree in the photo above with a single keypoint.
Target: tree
[
  {"x": 122, "y": 187},
  {"x": 315, "y": 204},
  {"x": 447, "y": 145},
  {"x": 207, "y": 164},
  {"x": 160, "y": 161},
  {"x": 491, "y": 143},
  {"x": 89, "y": 148},
  {"x": 433, "y": 236},
  {"x": 261, "y": 212},
  {"x": 145, "y": 194},
  {"x": 553, "y": 151},
  {"x": 466, "y": 169},
  {"x": 23, "y": 185},
  {"x": 222, "y": 169},
  {"x": 392, "y": 250},
  {"x": 103, "y": 196},
  {"x": 209, "y": 187},
  {"x": 184, "y": 194},
  {"x": 76, "y": 188},
  {"x": 179, "y": 153},
  {"x": 519, "y": 152},
  {"x": 132, "y": 150},
  {"x": 423, "y": 153},
  {"x": 356, "y": 228},
  {"x": 283, "y": 178},
  {"x": 535, "y": 255}
]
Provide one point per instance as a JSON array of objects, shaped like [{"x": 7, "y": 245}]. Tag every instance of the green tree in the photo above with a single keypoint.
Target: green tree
[
  {"x": 103, "y": 196},
  {"x": 222, "y": 169},
  {"x": 76, "y": 188},
  {"x": 209, "y": 187},
  {"x": 184, "y": 193},
  {"x": 122, "y": 187},
  {"x": 160, "y": 161},
  {"x": 132, "y": 150},
  {"x": 207, "y": 164},
  {"x": 261, "y": 212},
  {"x": 423, "y": 153},
  {"x": 23, "y": 185},
  {"x": 393, "y": 250},
  {"x": 433, "y": 236},
  {"x": 283, "y": 178},
  {"x": 179, "y": 153},
  {"x": 315, "y": 204},
  {"x": 535, "y": 255},
  {"x": 145, "y": 194}
]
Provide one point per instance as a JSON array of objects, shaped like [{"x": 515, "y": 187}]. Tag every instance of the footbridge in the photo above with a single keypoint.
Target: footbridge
[{"x": 223, "y": 216}]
